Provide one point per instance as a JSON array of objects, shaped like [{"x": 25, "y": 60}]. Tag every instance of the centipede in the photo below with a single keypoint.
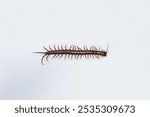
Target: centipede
[{"x": 72, "y": 52}]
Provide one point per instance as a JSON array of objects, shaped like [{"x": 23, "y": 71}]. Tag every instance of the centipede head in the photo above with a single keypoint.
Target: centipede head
[{"x": 104, "y": 52}]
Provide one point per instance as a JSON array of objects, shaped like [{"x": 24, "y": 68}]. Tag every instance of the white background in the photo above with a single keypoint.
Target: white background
[{"x": 27, "y": 25}]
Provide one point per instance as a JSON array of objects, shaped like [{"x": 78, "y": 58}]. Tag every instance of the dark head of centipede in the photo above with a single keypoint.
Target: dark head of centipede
[{"x": 73, "y": 51}]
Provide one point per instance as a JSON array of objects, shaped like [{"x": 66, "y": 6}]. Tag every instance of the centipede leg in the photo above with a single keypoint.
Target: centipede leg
[
  {"x": 71, "y": 56},
  {"x": 66, "y": 47},
  {"x": 95, "y": 48},
  {"x": 58, "y": 47},
  {"x": 74, "y": 47},
  {"x": 47, "y": 57},
  {"x": 65, "y": 56},
  {"x": 71, "y": 47},
  {"x": 97, "y": 56},
  {"x": 93, "y": 56},
  {"x": 45, "y": 48},
  {"x": 85, "y": 56},
  {"x": 84, "y": 48},
  {"x": 50, "y": 48},
  {"x": 62, "y": 47},
  {"x": 89, "y": 55},
  {"x": 54, "y": 47},
  {"x": 78, "y": 56},
  {"x": 57, "y": 55},
  {"x": 61, "y": 55},
  {"x": 54, "y": 56},
  {"x": 43, "y": 58},
  {"x": 79, "y": 48},
  {"x": 99, "y": 48},
  {"x": 68, "y": 56}
]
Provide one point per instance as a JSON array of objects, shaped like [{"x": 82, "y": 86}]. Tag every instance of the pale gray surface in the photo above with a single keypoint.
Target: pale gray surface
[{"x": 27, "y": 25}]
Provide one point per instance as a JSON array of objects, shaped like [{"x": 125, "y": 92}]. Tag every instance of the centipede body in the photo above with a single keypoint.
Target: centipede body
[{"x": 73, "y": 52}]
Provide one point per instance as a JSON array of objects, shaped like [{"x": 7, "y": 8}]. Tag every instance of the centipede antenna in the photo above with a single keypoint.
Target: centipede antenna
[{"x": 107, "y": 48}]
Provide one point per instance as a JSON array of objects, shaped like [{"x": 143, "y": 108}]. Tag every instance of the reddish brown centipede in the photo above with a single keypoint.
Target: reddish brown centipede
[{"x": 73, "y": 51}]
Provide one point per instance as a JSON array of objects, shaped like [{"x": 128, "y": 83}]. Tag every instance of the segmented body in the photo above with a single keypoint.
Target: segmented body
[{"x": 73, "y": 51}]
